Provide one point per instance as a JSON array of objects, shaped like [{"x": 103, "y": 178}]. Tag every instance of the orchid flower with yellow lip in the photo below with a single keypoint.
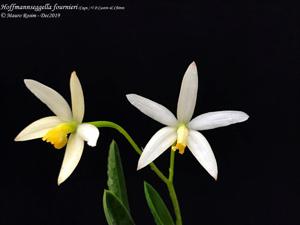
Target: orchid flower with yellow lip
[
  {"x": 64, "y": 129},
  {"x": 181, "y": 132}
]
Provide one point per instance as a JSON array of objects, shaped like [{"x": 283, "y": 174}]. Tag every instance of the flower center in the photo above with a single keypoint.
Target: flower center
[
  {"x": 58, "y": 136},
  {"x": 182, "y": 136}
]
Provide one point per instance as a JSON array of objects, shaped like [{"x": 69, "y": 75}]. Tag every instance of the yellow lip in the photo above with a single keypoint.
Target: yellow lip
[{"x": 58, "y": 136}]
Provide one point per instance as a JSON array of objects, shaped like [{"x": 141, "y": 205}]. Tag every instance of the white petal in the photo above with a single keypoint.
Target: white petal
[
  {"x": 159, "y": 142},
  {"x": 89, "y": 133},
  {"x": 188, "y": 94},
  {"x": 51, "y": 98},
  {"x": 152, "y": 109},
  {"x": 77, "y": 98},
  {"x": 72, "y": 156},
  {"x": 38, "y": 128},
  {"x": 201, "y": 149},
  {"x": 217, "y": 119}
]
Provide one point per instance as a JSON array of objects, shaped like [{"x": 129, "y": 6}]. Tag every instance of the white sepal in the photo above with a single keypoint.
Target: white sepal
[
  {"x": 77, "y": 98},
  {"x": 72, "y": 156},
  {"x": 188, "y": 94},
  {"x": 217, "y": 119},
  {"x": 51, "y": 98},
  {"x": 159, "y": 142},
  {"x": 38, "y": 128},
  {"x": 152, "y": 109},
  {"x": 201, "y": 149}
]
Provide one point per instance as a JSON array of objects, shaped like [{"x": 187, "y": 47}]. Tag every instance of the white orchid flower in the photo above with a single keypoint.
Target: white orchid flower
[
  {"x": 182, "y": 131},
  {"x": 55, "y": 129}
]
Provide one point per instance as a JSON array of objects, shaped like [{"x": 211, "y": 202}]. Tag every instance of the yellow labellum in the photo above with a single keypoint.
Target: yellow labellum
[
  {"x": 58, "y": 136},
  {"x": 182, "y": 136}
]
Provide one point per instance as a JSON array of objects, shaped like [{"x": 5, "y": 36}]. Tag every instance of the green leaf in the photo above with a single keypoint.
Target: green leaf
[
  {"x": 115, "y": 212},
  {"x": 116, "y": 181},
  {"x": 157, "y": 206}
]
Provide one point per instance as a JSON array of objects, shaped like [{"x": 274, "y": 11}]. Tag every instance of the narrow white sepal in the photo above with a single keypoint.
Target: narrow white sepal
[
  {"x": 152, "y": 109},
  {"x": 217, "y": 119},
  {"x": 202, "y": 151},
  {"x": 89, "y": 133},
  {"x": 77, "y": 98},
  {"x": 159, "y": 142},
  {"x": 72, "y": 157},
  {"x": 38, "y": 128},
  {"x": 188, "y": 94},
  {"x": 51, "y": 98}
]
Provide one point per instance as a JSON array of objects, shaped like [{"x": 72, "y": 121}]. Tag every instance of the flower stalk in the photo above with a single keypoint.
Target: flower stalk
[
  {"x": 168, "y": 181},
  {"x": 171, "y": 189},
  {"x": 109, "y": 124}
]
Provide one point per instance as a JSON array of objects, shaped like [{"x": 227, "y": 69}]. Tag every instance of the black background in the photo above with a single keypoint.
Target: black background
[{"x": 248, "y": 59}]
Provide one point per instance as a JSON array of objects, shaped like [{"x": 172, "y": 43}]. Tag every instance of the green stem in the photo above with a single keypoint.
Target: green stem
[
  {"x": 171, "y": 169},
  {"x": 171, "y": 189},
  {"x": 113, "y": 125}
]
